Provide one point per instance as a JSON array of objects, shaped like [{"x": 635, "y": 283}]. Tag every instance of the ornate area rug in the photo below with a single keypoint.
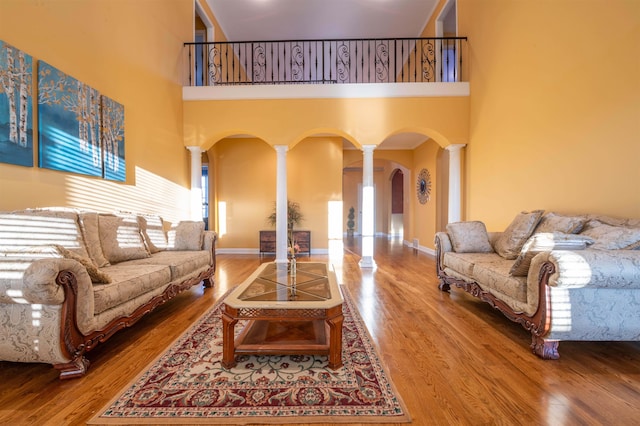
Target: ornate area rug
[{"x": 187, "y": 384}]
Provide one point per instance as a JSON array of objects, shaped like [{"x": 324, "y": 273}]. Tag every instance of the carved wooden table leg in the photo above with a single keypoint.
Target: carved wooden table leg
[
  {"x": 228, "y": 344},
  {"x": 335, "y": 337}
]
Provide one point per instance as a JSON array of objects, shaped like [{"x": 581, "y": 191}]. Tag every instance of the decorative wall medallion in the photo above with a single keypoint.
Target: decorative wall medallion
[{"x": 423, "y": 186}]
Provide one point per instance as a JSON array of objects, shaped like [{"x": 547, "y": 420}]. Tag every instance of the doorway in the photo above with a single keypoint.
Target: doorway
[{"x": 396, "y": 226}]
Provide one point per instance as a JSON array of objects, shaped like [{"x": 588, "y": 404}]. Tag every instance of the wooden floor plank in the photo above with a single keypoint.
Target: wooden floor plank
[{"x": 454, "y": 359}]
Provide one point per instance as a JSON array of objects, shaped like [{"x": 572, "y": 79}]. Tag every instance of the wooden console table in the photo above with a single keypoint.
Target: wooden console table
[{"x": 268, "y": 241}]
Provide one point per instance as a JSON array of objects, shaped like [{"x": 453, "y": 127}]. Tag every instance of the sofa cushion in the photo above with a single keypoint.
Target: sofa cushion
[
  {"x": 96, "y": 275},
  {"x": 495, "y": 276},
  {"x": 181, "y": 263},
  {"x": 128, "y": 281},
  {"x": 187, "y": 235},
  {"x": 91, "y": 233},
  {"x": 517, "y": 233},
  {"x": 153, "y": 234},
  {"x": 120, "y": 238},
  {"x": 610, "y": 237},
  {"x": 464, "y": 262},
  {"x": 552, "y": 222},
  {"x": 469, "y": 237},
  {"x": 546, "y": 241}
]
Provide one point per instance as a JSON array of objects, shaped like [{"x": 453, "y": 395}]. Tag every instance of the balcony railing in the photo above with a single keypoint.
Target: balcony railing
[{"x": 398, "y": 60}]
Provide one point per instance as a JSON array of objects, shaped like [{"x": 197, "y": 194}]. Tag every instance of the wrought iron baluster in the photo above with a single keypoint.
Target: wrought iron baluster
[
  {"x": 342, "y": 57},
  {"x": 297, "y": 63},
  {"x": 214, "y": 70},
  {"x": 382, "y": 62}
]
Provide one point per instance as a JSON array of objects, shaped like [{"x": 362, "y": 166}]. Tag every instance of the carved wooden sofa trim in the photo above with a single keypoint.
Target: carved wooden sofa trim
[
  {"x": 75, "y": 345},
  {"x": 538, "y": 324}
]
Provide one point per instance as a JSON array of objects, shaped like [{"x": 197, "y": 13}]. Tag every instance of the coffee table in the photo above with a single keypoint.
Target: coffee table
[{"x": 289, "y": 311}]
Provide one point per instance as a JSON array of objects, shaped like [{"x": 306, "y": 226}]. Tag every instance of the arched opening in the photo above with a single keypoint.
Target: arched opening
[{"x": 397, "y": 204}]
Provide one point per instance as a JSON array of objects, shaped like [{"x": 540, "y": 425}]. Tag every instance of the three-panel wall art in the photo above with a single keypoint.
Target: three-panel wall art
[{"x": 79, "y": 130}]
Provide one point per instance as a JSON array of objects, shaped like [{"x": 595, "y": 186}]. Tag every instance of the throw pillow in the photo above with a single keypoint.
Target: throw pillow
[
  {"x": 187, "y": 235},
  {"x": 96, "y": 275},
  {"x": 552, "y": 222},
  {"x": 541, "y": 242},
  {"x": 91, "y": 233},
  {"x": 121, "y": 239},
  {"x": 469, "y": 237},
  {"x": 510, "y": 242},
  {"x": 609, "y": 237},
  {"x": 152, "y": 232}
]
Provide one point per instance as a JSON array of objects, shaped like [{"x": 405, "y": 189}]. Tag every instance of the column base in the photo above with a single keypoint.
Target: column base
[{"x": 367, "y": 262}]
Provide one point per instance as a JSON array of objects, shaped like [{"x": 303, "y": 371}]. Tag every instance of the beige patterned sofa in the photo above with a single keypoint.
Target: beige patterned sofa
[
  {"x": 70, "y": 279},
  {"x": 561, "y": 277}
]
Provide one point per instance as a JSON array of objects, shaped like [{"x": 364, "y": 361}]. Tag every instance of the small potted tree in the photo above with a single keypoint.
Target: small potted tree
[{"x": 350, "y": 222}]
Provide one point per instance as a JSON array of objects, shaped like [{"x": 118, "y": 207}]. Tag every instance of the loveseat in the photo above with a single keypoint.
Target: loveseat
[
  {"x": 562, "y": 277},
  {"x": 69, "y": 279}
]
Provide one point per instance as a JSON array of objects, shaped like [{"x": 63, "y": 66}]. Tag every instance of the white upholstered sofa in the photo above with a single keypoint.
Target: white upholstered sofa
[
  {"x": 69, "y": 279},
  {"x": 561, "y": 277}
]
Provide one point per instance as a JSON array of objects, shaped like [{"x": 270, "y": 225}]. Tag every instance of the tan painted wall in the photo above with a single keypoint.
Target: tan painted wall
[
  {"x": 555, "y": 107},
  {"x": 314, "y": 177},
  {"x": 362, "y": 121},
  {"x": 130, "y": 51},
  {"x": 245, "y": 179},
  {"x": 424, "y": 215}
]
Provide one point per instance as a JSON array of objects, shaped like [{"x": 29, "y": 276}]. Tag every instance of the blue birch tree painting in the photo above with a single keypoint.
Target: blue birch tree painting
[
  {"x": 113, "y": 139},
  {"x": 16, "y": 106},
  {"x": 69, "y": 123}
]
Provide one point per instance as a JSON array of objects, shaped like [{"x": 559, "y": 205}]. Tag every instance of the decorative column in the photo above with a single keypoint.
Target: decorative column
[
  {"x": 368, "y": 208},
  {"x": 454, "y": 182},
  {"x": 196, "y": 182},
  {"x": 281, "y": 204}
]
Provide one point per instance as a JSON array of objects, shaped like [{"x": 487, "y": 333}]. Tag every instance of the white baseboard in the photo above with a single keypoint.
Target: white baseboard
[{"x": 420, "y": 248}]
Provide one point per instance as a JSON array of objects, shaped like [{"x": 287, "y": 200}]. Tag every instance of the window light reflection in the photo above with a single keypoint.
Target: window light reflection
[
  {"x": 147, "y": 193},
  {"x": 36, "y": 314}
]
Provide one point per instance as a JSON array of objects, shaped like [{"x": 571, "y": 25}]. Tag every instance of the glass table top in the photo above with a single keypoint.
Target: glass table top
[{"x": 277, "y": 283}]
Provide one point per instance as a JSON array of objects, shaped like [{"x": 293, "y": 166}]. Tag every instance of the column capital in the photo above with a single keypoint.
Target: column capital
[
  {"x": 455, "y": 147},
  {"x": 368, "y": 148},
  {"x": 281, "y": 148},
  {"x": 195, "y": 149}
]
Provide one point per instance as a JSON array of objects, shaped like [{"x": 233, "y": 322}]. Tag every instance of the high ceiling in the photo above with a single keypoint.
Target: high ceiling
[{"x": 247, "y": 20}]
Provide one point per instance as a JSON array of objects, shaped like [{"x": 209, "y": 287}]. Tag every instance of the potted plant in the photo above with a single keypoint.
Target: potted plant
[
  {"x": 294, "y": 218},
  {"x": 350, "y": 223}
]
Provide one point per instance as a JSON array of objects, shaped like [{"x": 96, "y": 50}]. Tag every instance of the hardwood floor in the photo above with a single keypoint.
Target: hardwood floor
[{"x": 453, "y": 359}]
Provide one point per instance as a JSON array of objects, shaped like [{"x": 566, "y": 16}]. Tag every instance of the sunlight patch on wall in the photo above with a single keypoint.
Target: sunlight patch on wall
[
  {"x": 151, "y": 194},
  {"x": 222, "y": 218},
  {"x": 335, "y": 220}
]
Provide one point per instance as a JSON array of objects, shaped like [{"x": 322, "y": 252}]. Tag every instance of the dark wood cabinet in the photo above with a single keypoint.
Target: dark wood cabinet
[{"x": 302, "y": 239}]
